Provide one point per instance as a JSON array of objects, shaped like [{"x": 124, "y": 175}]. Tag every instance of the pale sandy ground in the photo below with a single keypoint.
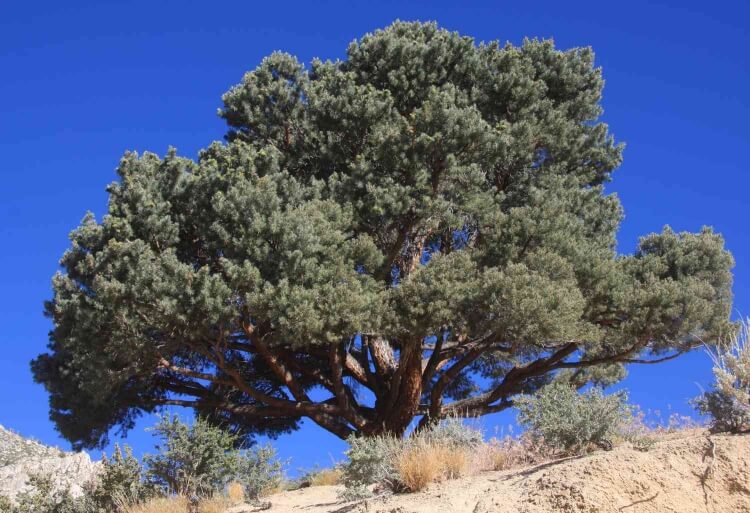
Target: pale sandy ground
[{"x": 666, "y": 479}]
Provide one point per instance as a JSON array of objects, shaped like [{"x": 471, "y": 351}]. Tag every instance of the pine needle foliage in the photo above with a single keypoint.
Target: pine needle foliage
[{"x": 426, "y": 219}]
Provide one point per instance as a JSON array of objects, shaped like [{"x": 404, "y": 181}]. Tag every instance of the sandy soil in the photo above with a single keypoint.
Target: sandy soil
[{"x": 678, "y": 474}]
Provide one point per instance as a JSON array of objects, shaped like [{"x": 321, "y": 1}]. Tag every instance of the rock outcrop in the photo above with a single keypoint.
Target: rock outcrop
[{"x": 21, "y": 458}]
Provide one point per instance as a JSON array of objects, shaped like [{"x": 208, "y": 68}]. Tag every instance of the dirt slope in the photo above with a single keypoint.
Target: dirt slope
[{"x": 671, "y": 477}]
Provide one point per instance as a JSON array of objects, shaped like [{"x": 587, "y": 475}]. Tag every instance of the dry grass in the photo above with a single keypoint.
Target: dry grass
[
  {"x": 327, "y": 477},
  {"x": 419, "y": 466},
  {"x": 175, "y": 504},
  {"x": 423, "y": 464},
  {"x": 454, "y": 461},
  {"x": 179, "y": 504},
  {"x": 508, "y": 452},
  {"x": 236, "y": 492},
  {"x": 215, "y": 504}
]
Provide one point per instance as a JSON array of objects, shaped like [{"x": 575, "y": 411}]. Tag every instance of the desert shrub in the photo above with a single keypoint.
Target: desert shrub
[
  {"x": 727, "y": 414},
  {"x": 451, "y": 432},
  {"x": 370, "y": 461},
  {"x": 355, "y": 492},
  {"x": 193, "y": 460},
  {"x": 569, "y": 421},
  {"x": 728, "y": 402},
  {"x": 120, "y": 482},
  {"x": 260, "y": 471},
  {"x": 43, "y": 497},
  {"x": 392, "y": 462},
  {"x": 5, "y": 504},
  {"x": 200, "y": 459}
]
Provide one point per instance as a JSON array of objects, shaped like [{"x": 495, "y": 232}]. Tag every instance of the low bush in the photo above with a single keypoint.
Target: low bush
[
  {"x": 120, "y": 482},
  {"x": 728, "y": 402},
  {"x": 43, "y": 497},
  {"x": 727, "y": 414},
  {"x": 201, "y": 459},
  {"x": 440, "y": 451},
  {"x": 572, "y": 422},
  {"x": 370, "y": 461}
]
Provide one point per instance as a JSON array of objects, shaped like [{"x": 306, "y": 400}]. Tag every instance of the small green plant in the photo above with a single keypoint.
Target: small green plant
[
  {"x": 43, "y": 497},
  {"x": 260, "y": 471},
  {"x": 569, "y": 421},
  {"x": 121, "y": 482},
  {"x": 728, "y": 402},
  {"x": 200, "y": 459},
  {"x": 370, "y": 461},
  {"x": 727, "y": 414},
  {"x": 5, "y": 504},
  {"x": 451, "y": 432}
]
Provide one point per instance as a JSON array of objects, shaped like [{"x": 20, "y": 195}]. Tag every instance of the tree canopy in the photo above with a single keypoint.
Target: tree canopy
[{"x": 420, "y": 230}]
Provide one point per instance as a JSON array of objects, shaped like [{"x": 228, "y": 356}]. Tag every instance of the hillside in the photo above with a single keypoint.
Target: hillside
[
  {"x": 21, "y": 458},
  {"x": 676, "y": 475}
]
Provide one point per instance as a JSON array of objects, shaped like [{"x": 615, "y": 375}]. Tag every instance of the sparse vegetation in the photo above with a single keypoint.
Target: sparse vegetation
[
  {"x": 439, "y": 451},
  {"x": 571, "y": 422},
  {"x": 202, "y": 459},
  {"x": 727, "y": 404}
]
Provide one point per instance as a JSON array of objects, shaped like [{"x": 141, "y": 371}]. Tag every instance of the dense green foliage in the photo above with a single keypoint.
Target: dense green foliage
[
  {"x": 121, "y": 482},
  {"x": 426, "y": 219},
  {"x": 725, "y": 412},
  {"x": 570, "y": 421},
  {"x": 200, "y": 459}
]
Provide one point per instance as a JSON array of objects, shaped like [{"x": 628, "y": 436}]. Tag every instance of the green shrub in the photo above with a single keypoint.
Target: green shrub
[
  {"x": 726, "y": 412},
  {"x": 452, "y": 432},
  {"x": 121, "y": 482},
  {"x": 370, "y": 461},
  {"x": 42, "y": 497},
  {"x": 570, "y": 422},
  {"x": 728, "y": 403},
  {"x": 200, "y": 459},
  {"x": 374, "y": 460},
  {"x": 260, "y": 471}
]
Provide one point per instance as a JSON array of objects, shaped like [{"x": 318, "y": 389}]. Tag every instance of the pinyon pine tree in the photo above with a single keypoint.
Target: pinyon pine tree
[{"x": 420, "y": 230}]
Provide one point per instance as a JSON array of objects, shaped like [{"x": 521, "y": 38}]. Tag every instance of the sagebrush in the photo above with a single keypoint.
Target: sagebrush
[{"x": 570, "y": 421}]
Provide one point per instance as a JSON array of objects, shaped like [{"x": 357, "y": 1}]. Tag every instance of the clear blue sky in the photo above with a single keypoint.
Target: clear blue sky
[{"x": 81, "y": 83}]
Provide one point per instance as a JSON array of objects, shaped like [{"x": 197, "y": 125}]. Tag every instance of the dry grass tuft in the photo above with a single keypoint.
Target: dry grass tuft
[
  {"x": 215, "y": 504},
  {"x": 498, "y": 458},
  {"x": 327, "y": 477},
  {"x": 508, "y": 452},
  {"x": 454, "y": 461},
  {"x": 419, "y": 466},
  {"x": 175, "y": 504},
  {"x": 236, "y": 492}
]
